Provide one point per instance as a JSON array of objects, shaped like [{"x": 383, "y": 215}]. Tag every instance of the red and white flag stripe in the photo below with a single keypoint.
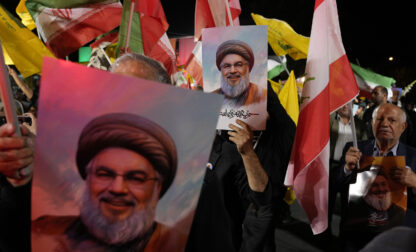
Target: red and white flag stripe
[
  {"x": 66, "y": 30},
  {"x": 332, "y": 86},
  {"x": 194, "y": 64},
  {"x": 213, "y": 13}
]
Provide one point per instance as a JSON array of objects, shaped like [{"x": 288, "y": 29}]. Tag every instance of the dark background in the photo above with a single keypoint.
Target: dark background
[{"x": 372, "y": 31}]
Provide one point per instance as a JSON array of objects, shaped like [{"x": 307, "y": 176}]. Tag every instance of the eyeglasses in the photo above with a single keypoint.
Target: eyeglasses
[
  {"x": 133, "y": 179},
  {"x": 238, "y": 66}
]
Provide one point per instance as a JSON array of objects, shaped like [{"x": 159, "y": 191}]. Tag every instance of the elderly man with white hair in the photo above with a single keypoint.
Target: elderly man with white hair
[{"x": 388, "y": 124}]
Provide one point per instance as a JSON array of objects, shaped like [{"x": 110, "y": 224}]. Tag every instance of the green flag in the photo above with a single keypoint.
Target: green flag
[{"x": 372, "y": 79}]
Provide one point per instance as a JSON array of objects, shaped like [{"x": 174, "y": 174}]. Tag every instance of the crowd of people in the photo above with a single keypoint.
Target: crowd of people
[{"x": 242, "y": 194}]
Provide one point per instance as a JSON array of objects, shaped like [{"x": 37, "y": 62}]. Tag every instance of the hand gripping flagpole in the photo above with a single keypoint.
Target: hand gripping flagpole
[
  {"x": 9, "y": 105},
  {"x": 6, "y": 95}
]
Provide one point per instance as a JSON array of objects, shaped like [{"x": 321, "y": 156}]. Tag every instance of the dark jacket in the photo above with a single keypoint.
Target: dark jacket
[
  {"x": 230, "y": 216},
  {"x": 343, "y": 181},
  {"x": 14, "y": 217}
]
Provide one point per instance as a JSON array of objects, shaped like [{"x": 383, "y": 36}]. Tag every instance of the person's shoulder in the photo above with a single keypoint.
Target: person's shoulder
[
  {"x": 256, "y": 94},
  {"x": 410, "y": 149},
  {"x": 49, "y": 224},
  {"x": 258, "y": 88}
]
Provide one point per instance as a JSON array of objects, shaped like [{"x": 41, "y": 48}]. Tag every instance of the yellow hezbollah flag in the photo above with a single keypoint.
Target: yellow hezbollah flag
[
  {"x": 7, "y": 59},
  {"x": 283, "y": 39},
  {"x": 276, "y": 86},
  {"x": 288, "y": 96},
  {"x": 23, "y": 47},
  {"x": 24, "y": 15}
]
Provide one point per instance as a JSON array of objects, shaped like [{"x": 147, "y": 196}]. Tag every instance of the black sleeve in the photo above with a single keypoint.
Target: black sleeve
[
  {"x": 240, "y": 182},
  {"x": 275, "y": 144},
  {"x": 14, "y": 216}
]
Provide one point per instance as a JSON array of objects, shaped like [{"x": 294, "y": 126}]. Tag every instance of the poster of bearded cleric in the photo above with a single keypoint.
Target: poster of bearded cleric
[
  {"x": 376, "y": 202},
  {"x": 234, "y": 61},
  {"x": 116, "y": 168}
]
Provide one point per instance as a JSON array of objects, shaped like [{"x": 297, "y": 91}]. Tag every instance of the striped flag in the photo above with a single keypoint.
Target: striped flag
[
  {"x": 148, "y": 32},
  {"x": 367, "y": 80},
  {"x": 283, "y": 39},
  {"x": 194, "y": 64},
  {"x": 332, "y": 85},
  {"x": 274, "y": 67},
  {"x": 22, "y": 47},
  {"x": 66, "y": 25},
  {"x": 213, "y": 13}
]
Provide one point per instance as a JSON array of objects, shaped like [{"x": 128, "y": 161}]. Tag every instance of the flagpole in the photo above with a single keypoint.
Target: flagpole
[
  {"x": 354, "y": 134},
  {"x": 7, "y": 99},
  {"x": 126, "y": 46},
  {"x": 287, "y": 70},
  {"x": 227, "y": 7}
]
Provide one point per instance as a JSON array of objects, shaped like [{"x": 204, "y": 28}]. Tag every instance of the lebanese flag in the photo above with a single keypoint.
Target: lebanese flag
[
  {"x": 66, "y": 25},
  {"x": 194, "y": 64},
  {"x": 164, "y": 53},
  {"x": 213, "y": 13},
  {"x": 332, "y": 86},
  {"x": 153, "y": 24}
]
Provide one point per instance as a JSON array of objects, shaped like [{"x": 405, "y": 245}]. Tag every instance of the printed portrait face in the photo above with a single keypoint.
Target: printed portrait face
[
  {"x": 234, "y": 63},
  {"x": 122, "y": 182},
  {"x": 379, "y": 187},
  {"x": 234, "y": 68},
  {"x": 379, "y": 195},
  {"x": 235, "y": 75}
]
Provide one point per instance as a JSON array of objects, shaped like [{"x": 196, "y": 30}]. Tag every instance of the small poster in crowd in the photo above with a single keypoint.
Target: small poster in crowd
[
  {"x": 115, "y": 166},
  {"x": 376, "y": 202},
  {"x": 234, "y": 61}
]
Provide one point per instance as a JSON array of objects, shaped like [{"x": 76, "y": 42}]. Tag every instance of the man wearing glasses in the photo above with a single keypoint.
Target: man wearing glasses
[
  {"x": 235, "y": 59},
  {"x": 128, "y": 163}
]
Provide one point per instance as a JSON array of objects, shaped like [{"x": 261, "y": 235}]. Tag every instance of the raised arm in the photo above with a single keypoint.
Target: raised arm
[{"x": 243, "y": 138}]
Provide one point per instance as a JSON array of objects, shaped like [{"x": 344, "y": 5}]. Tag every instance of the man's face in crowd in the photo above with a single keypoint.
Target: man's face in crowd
[
  {"x": 377, "y": 96},
  {"x": 118, "y": 183},
  {"x": 388, "y": 124},
  {"x": 235, "y": 75},
  {"x": 379, "y": 195},
  {"x": 344, "y": 111}
]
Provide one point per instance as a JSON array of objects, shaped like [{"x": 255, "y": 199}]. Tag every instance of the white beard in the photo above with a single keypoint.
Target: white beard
[
  {"x": 379, "y": 204},
  {"x": 115, "y": 232},
  {"x": 236, "y": 90}
]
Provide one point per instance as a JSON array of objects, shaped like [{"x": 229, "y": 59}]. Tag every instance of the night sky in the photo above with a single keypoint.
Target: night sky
[{"x": 372, "y": 31}]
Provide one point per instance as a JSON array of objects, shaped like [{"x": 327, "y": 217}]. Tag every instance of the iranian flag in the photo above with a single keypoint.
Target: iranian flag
[
  {"x": 66, "y": 25},
  {"x": 214, "y": 13},
  {"x": 367, "y": 80},
  {"x": 276, "y": 66},
  {"x": 331, "y": 86}
]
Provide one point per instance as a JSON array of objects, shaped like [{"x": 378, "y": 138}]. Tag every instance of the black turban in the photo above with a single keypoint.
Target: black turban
[
  {"x": 235, "y": 47},
  {"x": 131, "y": 132}
]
